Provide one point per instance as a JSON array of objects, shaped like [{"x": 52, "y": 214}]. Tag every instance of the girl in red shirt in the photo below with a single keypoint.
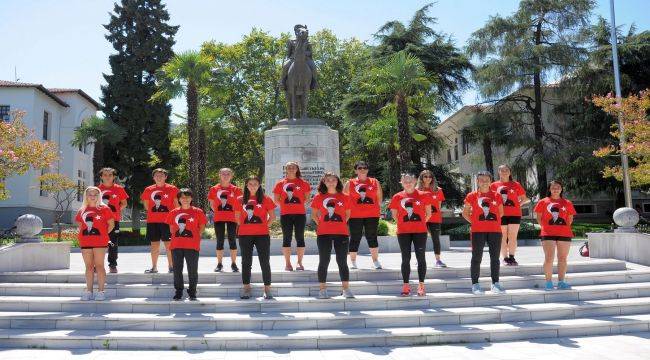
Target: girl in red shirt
[
  {"x": 427, "y": 184},
  {"x": 483, "y": 210},
  {"x": 365, "y": 199},
  {"x": 223, "y": 200},
  {"x": 330, "y": 212},
  {"x": 411, "y": 209},
  {"x": 114, "y": 196},
  {"x": 186, "y": 224},
  {"x": 254, "y": 213},
  {"x": 513, "y": 196},
  {"x": 291, "y": 194},
  {"x": 95, "y": 223},
  {"x": 555, "y": 216}
]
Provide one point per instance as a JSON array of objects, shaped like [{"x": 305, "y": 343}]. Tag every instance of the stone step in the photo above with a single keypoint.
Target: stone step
[
  {"x": 312, "y": 288},
  {"x": 326, "y": 338},
  {"x": 309, "y": 304},
  {"x": 324, "y": 320},
  {"x": 306, "y": 276}
]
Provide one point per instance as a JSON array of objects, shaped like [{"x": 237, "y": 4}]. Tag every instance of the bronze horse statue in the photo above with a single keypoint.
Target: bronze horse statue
[{"x": 299, "y": 78}]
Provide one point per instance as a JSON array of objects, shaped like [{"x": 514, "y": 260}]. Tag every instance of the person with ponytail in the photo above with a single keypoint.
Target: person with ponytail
[
  {"x": 428, "y": 185},
  {"x": 254, "y": 213},
  {"x": 555, "y": 215},
  {"x": 96, "y": 221},
  {"x": 513, "y": 196}
]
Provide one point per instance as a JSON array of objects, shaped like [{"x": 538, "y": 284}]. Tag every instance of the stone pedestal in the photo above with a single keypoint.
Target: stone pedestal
[
  {"x": 35, "y": 257},
  {"x": 632, "y": 247},
  {"x": 309, "y": 142}
]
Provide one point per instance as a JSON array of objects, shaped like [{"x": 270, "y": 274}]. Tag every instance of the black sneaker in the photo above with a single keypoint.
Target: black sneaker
[
  {"x": 506, "y": 261},
  {"x": 513, "y": 262},
  {"x": 218, "y": 268},
  {"x": 234, "y": 267},
  {"x": 178, "y": 296},
  {"x": 192, "y": 295}
]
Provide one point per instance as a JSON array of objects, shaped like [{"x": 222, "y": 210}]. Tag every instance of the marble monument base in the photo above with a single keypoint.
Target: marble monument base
[
  {"x": 632, "y": 247},
  {"x": 35, "y": 256}
]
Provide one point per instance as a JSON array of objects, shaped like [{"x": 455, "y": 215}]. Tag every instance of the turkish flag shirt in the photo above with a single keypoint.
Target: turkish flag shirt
[
  {"x": 485, "y": 211},
  {"x": 509, "y": 191},
  {"x": 555, "y": 216},
  {"x": 253, "y": 219},
  {"x": 364, "y": 202},
  {"x": 94, "y": 226},
  {"x": 332, "y": 209},
  {"x": 292, "y": 195},
  {"x": 437, "y": 197},
  {"x": 411, "y": 211},
  {"x": 185, "y": 226},
  {"x": 161, "y": 202},
  {"x": 224, "y": 200},
  {"x": 111, "y": 197}
]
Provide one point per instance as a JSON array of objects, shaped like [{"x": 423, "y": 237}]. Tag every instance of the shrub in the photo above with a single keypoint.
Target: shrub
[{"x": 382, "y": 228}]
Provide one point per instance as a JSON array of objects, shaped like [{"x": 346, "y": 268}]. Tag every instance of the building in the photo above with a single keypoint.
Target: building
[
  {"x": 467, "y": 159},
  {"x": 53, "y": 114}
]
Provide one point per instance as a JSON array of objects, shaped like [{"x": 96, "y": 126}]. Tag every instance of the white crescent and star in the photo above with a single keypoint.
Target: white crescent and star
[
  {"x": 550, "y": 205},
  {"x": 222, "y": 191},
  {"x": 85, "y": 214},
  {"x": 501, "y": 188},
  {"x": 404, "y": 200},
  {"x": 153, "y": 194},
  {"x": 480, "y": 200},
  {"x": 190, "y": 219},
  {"x": 326, "y": 201},
  {"x": 284, "y": 187}
]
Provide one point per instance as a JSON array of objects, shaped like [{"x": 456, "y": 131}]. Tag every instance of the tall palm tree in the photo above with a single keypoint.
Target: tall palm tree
[
  {"x": 399, "y": 79},
  {"x": 186, "y": 74},
  {"x": 99, "y": 131}
]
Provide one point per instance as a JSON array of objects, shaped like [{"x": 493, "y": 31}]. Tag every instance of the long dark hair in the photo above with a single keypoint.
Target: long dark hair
[
  {"x": 298, "y": 174},
  {"x": 506, "y": 166},
  {"x": 433, "y": 185},
  {"x": 259, "y": 195},
  {"x": 548, "y": 190},
  {"x": 322, "y": 188}
]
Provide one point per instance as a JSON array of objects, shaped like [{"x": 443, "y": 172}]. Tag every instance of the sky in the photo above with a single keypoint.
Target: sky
[{"x": 60, "y": 43}]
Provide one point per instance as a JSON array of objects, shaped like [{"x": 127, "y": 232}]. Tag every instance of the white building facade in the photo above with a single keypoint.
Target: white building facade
[{"x": 53, "y": 115}]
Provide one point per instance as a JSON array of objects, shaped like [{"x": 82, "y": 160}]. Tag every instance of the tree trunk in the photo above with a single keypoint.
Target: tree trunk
[
  {"x": 193, "y": 135},
  {"x": 98, "y": 160},
  {"x": 403, "y": 133},
  {"x": 201, "y": 191},
  {"x": 135, "y": 218},
  {"x": 487, "y": 154},
  {"x": 393, "y": 170},
  {"x": 540, "y": 160}
]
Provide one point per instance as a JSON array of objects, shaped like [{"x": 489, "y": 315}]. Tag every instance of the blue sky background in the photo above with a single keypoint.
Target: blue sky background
[{"x": 61, "y": 43}]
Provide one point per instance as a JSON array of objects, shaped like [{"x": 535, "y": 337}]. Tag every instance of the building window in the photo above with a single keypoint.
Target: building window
[
  {"x": 4, "y": 112},
  {"x": 448, "y": 155},
  {"x": 42, "y": 192},
  {"x": 465, "y": 144},
  {"x": 585, "y": 209},
  {"x": 46, "y": 125},
  {"x": 81, "y": 186},
  {"x": 646, "y": 207},
  {"x": 456, "y": 149}
]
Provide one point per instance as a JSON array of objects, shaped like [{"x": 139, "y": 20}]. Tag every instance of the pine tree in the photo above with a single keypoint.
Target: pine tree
[{"x": 143, "y": 40}]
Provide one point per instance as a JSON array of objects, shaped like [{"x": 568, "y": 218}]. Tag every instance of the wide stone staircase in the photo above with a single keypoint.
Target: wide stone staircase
[{"x": 43, "y": 310}]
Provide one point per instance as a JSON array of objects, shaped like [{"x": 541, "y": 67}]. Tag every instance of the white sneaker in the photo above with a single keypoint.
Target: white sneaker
[
  {"x": 497, "y": 288},
  {"x": 87, "y": 295},
  {"x": 100, "y": 296},
  {"x": 354, "y": 265},
  {"x": 377, "y": 265}
]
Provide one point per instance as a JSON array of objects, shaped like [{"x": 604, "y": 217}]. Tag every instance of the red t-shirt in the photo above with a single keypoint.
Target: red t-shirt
[
  {"x": 161, "y": 202},
  {"x": 184, "y": 225},
  {"x": 254, "y": 222},
  {"x": 485, "y": 211},
  {"x": 225, "y": 202},
  {"x": 437, "y": 197},
  {"x": 411, "y": 211},
  {"x": 111, "y": 197},
  {"x": 94, "y": 226},
  {"x": 363, "y": 198},
  {"x": 555, "y": 216},
  {"x": 292, "y": 195},
  {"x": 510, "y": 191},
  {"x": 331, "y": 218}
]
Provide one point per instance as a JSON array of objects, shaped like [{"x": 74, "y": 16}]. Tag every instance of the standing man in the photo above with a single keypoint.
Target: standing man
[{"x": 113, "y": 196}]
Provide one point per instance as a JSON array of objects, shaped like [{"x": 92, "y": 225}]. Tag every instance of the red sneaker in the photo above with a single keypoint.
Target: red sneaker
[{"x": 406, "y": 290}]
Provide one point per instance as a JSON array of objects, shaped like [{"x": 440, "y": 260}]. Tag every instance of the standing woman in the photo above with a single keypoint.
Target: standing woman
[
  {"x": 411, "y": 208},
  {"x": 555, "y": 216},
  {"x": 291, "y": 194},
  {"x": 95, "y": 223},
  {"x": 223, "y": 200},
  {"x": 513, "y": 196},
  {"x": 483, "y": 210},
  {"x": 365, "y": 197},
  {"x": 330, "y": 212},
  {"x": 254, "y": 213},
  {"x": 113, "y": 196},
  {"x": 427, "y": 184}
]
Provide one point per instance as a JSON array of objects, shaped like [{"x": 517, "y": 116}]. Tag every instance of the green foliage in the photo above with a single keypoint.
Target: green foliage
[{"x": 382, "y": 228}]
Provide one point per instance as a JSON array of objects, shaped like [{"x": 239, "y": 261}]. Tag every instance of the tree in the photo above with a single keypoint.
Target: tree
[
  {"x": 187, "y": 74},
  {"x": 64, "y": 191},
  {"x": 488, "y": 130},
  {"x": 633, "y": 111},
  {"x": 540, "y": 40},
  {"x": 21, "y": 150},
  {"x": 143, "y": 40},
  {"x": 99, "y": 131}
]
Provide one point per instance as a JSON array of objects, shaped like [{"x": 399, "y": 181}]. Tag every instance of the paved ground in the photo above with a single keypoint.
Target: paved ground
[{"x": 628, "y": 347}]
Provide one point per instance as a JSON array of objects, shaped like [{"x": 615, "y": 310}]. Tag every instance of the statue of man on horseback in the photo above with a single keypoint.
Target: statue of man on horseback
[{"x": 298, "y": 73}]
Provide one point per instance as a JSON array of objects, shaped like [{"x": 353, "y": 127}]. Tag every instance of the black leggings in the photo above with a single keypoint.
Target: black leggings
[
  {"x": 291, "y": 223},
  {"x": 361, "y": 226},
  {"x": 325, "y": 251},
  {"x": 114, "y": 236},
  {"x": 263, "y": 245},
  {"x": 419, "y": 241},
  {"x": 190, "y": 256},
  {"x": 494, "y": 246},
  {"x": 220, "y": 231},
  {"x": 434, "y": 230}
]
